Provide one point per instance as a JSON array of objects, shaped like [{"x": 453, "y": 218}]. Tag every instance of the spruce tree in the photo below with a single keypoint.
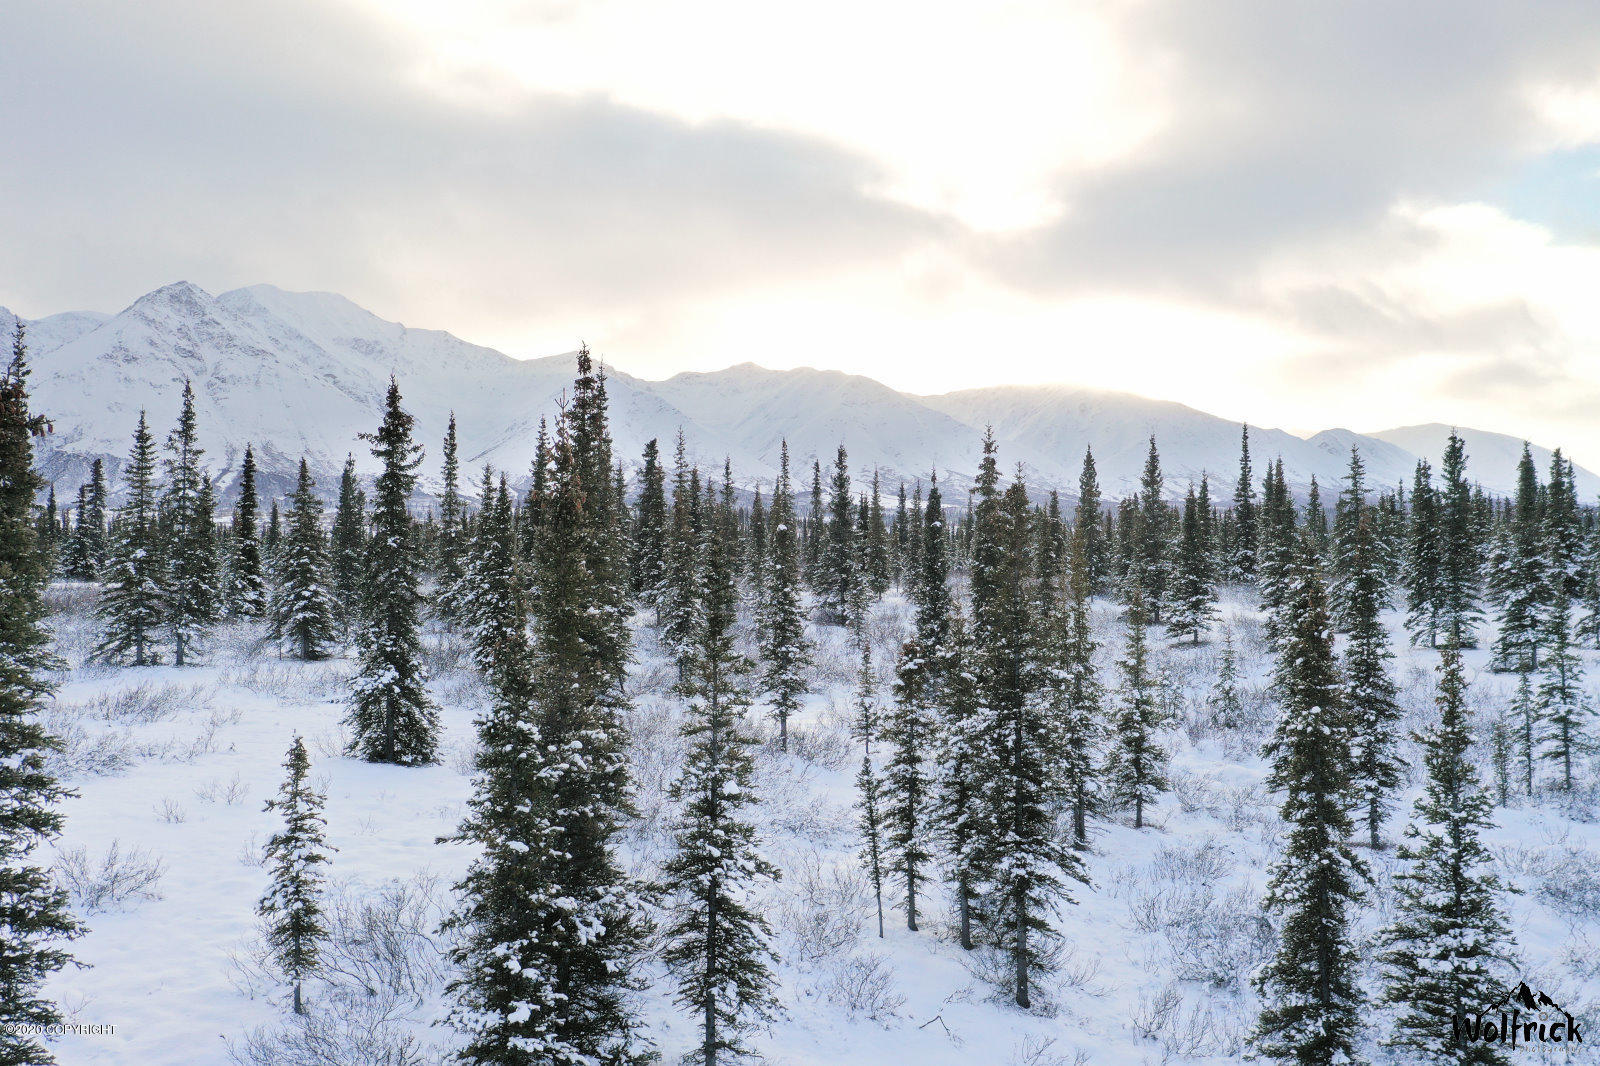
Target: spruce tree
[
  {"x": 304, "y": 609},
  {"x": 90, "y": 530},
  {"x": 1244, "y": 514},
  {"x": 1458, "y": 562},
  {"x": 875, "y": 553},
  {"x": 1369, "y": 691},
  {"x": 348, "y": 547},
  {"x": 450, "y": 548},
  {"x": 1138, "y": 766},
  {"x": 292, "y": 906},
  {"x": 1194, "y": 594},
  {"x": 1227, "y": 708},
  {"x": 717, "y": 948},
  {"x": 1082, "y": 696},
  {"x": 1519, "y": 576},
  {"x": 680, "y": 589},
  {"x": 247, "y": 589},
  {"x": 1424, "y": 560},
  {"x": 785, "y": 652},
  {"x": 1086, "y": 526},
  {"x": 33, "y": 908},
  {"x": 1348, "y": 511},
  {"x": 1153, "y": 559},
  {"x": 1312, "y": 1002},
  {"x": 908, "y": 784},
  {"x": 869, "y": 786},
  {"x": 965, "y": 763},
  {"x": 132, "y": 607},
  {"x": 1525, "y": 719},
  {"x": 391, "y": 718},
  {"x": 1563, "y": 705},
  {"x": 841, "y": 563},
  {"x": 605, "y": 549},
  {"x": 193, "y": 595},
  {"x": 756, "y": 549},
  {"x": 650, "y": 532},
  {"x": 545, "y": 892},
  {"x": 1446, "y": 953},
  {"x": 1589, "y": 594}
]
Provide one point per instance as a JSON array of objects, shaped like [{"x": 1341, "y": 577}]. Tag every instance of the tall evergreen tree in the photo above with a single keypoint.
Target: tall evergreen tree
[
  {"x": 1348, "y": 511},
  {"x": 1424, "y": 560},
  {"x": 1244, "y": 514},
  {"x": 909, "y": 781},
  {"x": 869, "y": 786},
  {"x": 841, "y": 563},
  {"x": 1519, "y": 576},
  {"x": 90, "y": 530},
  {"x": 292, "y": 906},
  {"x": 1313, "y": 1002},
  {"x": 681, "y": 588},
  {"x": 1563, "y": 705},
  {"x": 650, "y": 534},
  {"x": 1458, "y": 542},
  {"x": 546, "y": 892},
  {"x": 1086, "y": 526},
  {"x": 391, "y": 717},
  {"x": 450, "y": 547},
  {"x": 1153, "y": 561},
  {"x": 248, "y": 578},
  {"x": 1370, "y": 693},
  {"x": 1082, "y": 703},
  {"x": 304, "y": 611},
  {"x": 875, "y": 553},
  {"x": 717, "y": 946},
  {"x": 133, "y": 605},
  {"x": 1138, "y": 766},
  {"x": 785, "y": 652},
  {"x": 1446, "y": 953},
  {"x": 348, "y": 547},
  {"x": 33, "y": 908},
  {"x": 1194, "y": 593},
  {"x": 193, "y": 595}
]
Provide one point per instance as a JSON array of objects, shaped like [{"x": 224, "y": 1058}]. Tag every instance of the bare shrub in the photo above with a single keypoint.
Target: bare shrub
[
  {"x": 1152, "y": 1015},
  {"x": 228, "y": 793},
  {"x": 112, "y": 881},
  {"x": 1034, "y": 1050},
  {"x": 864, "y": 984},
  {"x": 350, "y": 1030},
  {"x": 824, "y": 909},
  {"x": 168, "y": 810}
]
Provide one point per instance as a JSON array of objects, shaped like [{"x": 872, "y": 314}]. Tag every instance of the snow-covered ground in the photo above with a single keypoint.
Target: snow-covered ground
[{"x": 173, "y": 766}]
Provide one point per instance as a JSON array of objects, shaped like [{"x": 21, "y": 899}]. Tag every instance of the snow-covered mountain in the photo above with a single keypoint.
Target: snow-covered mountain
[{"x": 303, "y": 373}]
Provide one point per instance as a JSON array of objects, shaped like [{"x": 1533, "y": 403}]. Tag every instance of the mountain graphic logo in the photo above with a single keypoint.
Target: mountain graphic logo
[{"x": 1525, "y": 1017}]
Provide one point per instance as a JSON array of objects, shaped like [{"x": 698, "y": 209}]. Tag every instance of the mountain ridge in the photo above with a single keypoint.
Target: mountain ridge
[{"x": 301, "y": 373}]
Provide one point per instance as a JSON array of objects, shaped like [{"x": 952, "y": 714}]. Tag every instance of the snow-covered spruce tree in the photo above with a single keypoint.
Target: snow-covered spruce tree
[
  {"x": 650, "y": 531},
  {"x": 604, "y": 520},
  {"x": 133, "y": 605},
  {"x": 1563, "y": 706},
  {"x": 1227, "y": 708},
  {"x": 1153, "y": 556},
  {"x": 1312, "y": 1004},
  {"x": 1525, "y": 723},
  {"x": 1589, "y": 594},
  {"x": 717, "y": 943},
  {"x": 679, "y": 598},
  {"x": 755, "y": 556},
  {"x": 391, "y": 718},
  {"x": 247, "y": 578},
  {"x": 785, "y": 652},
  {"x": 1277, "y": 549},
  {"x": 1317, "y": 521},
  {"x": 816, "y": 532},
  {"x": 900, "y": 542},
  {"x": 348, "y": 548},
  {"x": 546, "y": 923},
  {"x": 1137, "y": 769},
  {"x": 89, "y": 543},
  {"x": 1445, "y": 955},
  {"x": 1347, "y": 512},
  {"x": 1028, "y": 867},
  {"x": 1086, "y": 526},
  {"x": 450, "y": 547},
  {"x": 1369, "y": 691},
  {"x": 1458, "y": 557},
  {"x": 1194, "y": 593},
  {"x": 304, "y": 611},
  {"x": 193, "y": 590},
  {"x": 875, "y": 553},
  {"x": 1519, "y": 577},
  {"x": 1244, "y": 515},
  {"x": 965, "y": 762},
  {"x": 841, "y": 562},
  {"x": 1081, "y": 696},
  {"x": 1424, "y": 559},
  {"x": 292, "y": 906},
  {"x": 869, "y": 785},
  {"x": 1502, "y": 755},
  {"x": 1563, "y": 529},
  {"x": 33, "y": 909}
]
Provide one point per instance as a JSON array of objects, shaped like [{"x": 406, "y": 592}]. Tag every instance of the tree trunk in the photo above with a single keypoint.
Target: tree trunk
[
  {"x": 299, "y": 1007},
  {"x": 966, "y": 914},
  {"x": 1021, "y": 951}
]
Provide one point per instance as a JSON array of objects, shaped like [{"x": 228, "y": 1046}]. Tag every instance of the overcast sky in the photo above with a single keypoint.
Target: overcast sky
[{"x": 1300, "y": 214}]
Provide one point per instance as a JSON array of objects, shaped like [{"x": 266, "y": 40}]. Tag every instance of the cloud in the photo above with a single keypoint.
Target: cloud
[
  {"x": 303, "y": 143},
  {"x": 1291, "y": 124}
]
